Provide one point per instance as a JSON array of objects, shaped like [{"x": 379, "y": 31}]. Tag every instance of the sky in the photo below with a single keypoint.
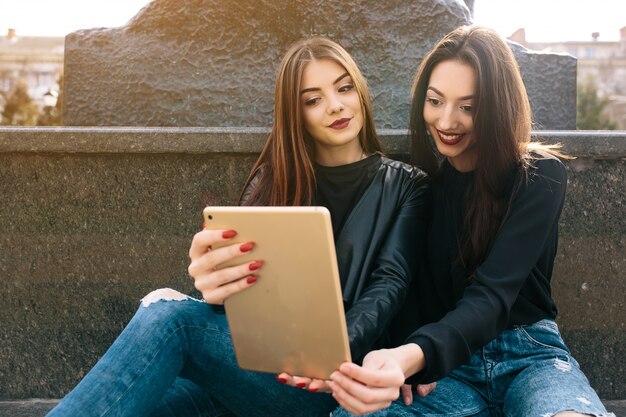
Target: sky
[{"x": 543, "y": 20}]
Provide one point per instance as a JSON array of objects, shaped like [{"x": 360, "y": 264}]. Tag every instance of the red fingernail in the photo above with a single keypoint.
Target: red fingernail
[
  {"x": 228, "y": 234},
  {"x": 203, "y": 226},
  {"x": 301, "y": 384},
  {"x": 312, "y": 389},
  {"x": 246, "y": 247},
  {"x": 251, "y": 279},
  {"x": 281, "y": 379},
  {"x": 255, "y": 265}
]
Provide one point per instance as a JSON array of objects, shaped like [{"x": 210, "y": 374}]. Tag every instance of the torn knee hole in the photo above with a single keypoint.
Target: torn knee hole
[
  {"x": 562, "y": 365},
  {"x": 163, "y": 294}
]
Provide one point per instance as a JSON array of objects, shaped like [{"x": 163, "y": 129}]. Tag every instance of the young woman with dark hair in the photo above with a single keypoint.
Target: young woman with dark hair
[
  {"x": 175, "y": 357},
  {"x": 484, "y": 327}
]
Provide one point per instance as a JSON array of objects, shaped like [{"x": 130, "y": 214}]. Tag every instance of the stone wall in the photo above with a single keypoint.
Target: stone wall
[
  {"x": 213, "y": 62},
  {"x": 92, "y": 219}
]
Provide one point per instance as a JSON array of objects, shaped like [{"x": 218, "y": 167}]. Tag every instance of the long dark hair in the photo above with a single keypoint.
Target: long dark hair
[
  {"x": 502, "y": 125},
  {"x": 283, "y": 175}
]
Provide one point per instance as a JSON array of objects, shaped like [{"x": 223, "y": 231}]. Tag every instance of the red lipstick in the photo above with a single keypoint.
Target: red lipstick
[
  {"x": 450, "y": 138},
  {"x": 340, "y": 123}
]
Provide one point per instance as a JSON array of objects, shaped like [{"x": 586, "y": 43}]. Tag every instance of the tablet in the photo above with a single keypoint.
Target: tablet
[{"x": 292, "y": 319}]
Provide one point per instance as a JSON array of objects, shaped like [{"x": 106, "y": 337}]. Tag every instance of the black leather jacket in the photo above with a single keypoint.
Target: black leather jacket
[{"x": 378, "y": 250}]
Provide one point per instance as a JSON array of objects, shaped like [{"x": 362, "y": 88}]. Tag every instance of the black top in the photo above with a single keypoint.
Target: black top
[
  {"x": 340, "y": 187},
  {"x": 511, "y": 287}
]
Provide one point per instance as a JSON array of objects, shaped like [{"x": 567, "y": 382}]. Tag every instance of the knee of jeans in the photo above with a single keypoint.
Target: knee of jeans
[{"x": 163, "y": 294}]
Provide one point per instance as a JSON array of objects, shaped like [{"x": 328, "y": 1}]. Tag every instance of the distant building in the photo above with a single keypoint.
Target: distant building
[
  {"x": 36, "y": 60},
  {"x": 605, "y": 61}
]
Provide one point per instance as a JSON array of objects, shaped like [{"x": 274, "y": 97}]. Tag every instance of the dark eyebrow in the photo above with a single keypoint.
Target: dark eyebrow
[
  {"x": 341, "y": 77},
  {"x": 430, "y": 87}
]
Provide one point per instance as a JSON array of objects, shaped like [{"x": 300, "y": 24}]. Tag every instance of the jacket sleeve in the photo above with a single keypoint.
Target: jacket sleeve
[
  {"x": 396, "y": 264},
  {"x": 247, "y": 192},
  {"x": 483, "y": 311}
]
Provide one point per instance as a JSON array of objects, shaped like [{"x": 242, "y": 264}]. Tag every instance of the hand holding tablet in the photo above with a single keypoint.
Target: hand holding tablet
[{"x": 291, "y": 319}]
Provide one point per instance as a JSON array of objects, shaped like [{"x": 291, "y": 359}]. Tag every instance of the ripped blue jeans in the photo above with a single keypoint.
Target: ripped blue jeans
[
  {"x": 175, "y": 358},
  {"x": 527, "y": 371}
]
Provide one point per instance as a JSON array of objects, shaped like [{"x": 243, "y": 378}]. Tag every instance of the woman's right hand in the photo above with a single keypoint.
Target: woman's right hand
[
  {"x": 370, "y": 387},
  {"x": 218, "y": 284},
  {"x": 378, "y": 382}
]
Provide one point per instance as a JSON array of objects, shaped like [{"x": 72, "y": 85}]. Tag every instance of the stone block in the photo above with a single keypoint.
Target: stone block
[
  {"x": 550, "y": 80},
  {"x": 214, "y": 62}
]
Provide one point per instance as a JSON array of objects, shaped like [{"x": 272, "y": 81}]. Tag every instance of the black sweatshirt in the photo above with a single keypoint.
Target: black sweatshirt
[{"x": 511, "y": 287}]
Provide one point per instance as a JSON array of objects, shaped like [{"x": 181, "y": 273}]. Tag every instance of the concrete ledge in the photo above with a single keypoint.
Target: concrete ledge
[
  {"x": 151, "y": 140},
  {"x": 39, "y": 408},
  {"x": 597, "y": 144},
  {"x": 34, "y": 407},
  {"x": 92, "y": 219},
  {"x": 202, "y": 140}
]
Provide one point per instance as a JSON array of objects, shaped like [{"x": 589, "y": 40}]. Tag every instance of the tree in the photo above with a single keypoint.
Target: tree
[
  {"x": 52, "y": 116},
  {"x": 591, "y": 106},
  {"x": 19, "y": 109}
]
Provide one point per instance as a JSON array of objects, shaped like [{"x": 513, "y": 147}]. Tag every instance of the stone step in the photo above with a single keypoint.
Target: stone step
[
  {"x": 33, "y": 407},
  {"x": 36, "y": 407}
]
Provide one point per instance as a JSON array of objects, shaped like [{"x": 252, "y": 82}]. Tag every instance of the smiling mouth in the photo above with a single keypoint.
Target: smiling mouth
[
  {"x": 448, "y": 138},
  {"x": 340, "y": 124}
]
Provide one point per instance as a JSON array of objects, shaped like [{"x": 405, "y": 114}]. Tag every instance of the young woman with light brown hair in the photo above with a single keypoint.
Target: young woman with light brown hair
[{"x": 175, "y": 357}]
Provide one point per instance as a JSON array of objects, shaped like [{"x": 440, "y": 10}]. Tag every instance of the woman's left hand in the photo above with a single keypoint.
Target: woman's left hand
[{"x": 309, "y": 384}]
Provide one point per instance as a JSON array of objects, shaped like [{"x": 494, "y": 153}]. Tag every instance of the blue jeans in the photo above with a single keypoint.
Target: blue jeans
[
  {"x": 175, "y": 358},
  {"x": 526, "y": 371}
]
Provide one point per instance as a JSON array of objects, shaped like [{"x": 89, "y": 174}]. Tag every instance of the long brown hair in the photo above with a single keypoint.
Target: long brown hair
[
  {"x": 283, "y": 175},
  {"x": 502, "y": 125}
]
